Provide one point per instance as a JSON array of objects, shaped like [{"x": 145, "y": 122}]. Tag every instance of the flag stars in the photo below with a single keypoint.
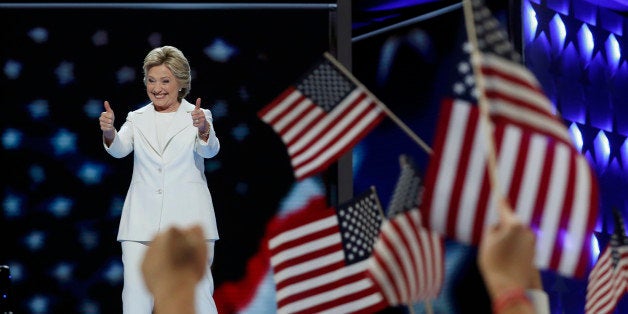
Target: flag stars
[
  {"x": 469, "y": 80},
  {"x": 459, "y": 88},
  {"x": 359, "y": 223},
  {"x": 464, "y": 67},
  {"x": 325, "y": 86}
]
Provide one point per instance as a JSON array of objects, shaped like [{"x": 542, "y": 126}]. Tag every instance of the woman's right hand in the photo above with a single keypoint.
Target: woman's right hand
[{"x": 106, "y": 122}]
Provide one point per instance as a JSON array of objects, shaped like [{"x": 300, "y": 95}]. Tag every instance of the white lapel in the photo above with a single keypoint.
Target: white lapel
[
  {"x": 146, "y": 125},
  {"x": 180, "y": 121}
]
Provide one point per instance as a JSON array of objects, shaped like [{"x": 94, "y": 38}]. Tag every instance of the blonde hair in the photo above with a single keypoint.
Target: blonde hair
[{"x": 174, "y": 60}]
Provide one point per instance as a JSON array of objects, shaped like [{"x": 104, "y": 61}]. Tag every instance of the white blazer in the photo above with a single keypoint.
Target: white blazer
[{"x": 168, "y": 187}]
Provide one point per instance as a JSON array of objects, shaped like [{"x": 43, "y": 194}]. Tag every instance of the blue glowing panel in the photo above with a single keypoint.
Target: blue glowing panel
[
  {"x": 576, "y": 136},
  {"x": 558, "y": 33},
  {"x": 529, "y": 22},
  {"x": 602, "y": 150},
  {"x": 586, "y": 43},
  {"x": 613, "y": 54}
]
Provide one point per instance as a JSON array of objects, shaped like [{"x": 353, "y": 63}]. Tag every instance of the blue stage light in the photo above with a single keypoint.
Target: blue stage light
[
  {"x": 12, "y": 139},
  {"x": 89, "y": 239},
  {"x": 63, "y": 272},
  {"x": 595, "y": 248},
  {"x": 37, "y": 173},
  {"x": 63, "y": 142},
  {"x": 12, "y": 69},
  {"x": 61, "y": 206},
  {"x": 613, "y": 51},
  {"x": 12, "y": 206},
  {"x": 125, "y": 75},
  {"x": 113, "y": 273},
  {"x": 576, "y": 135},
  {"x": 602, "y": 149},
  {"x": 91, "y": 173},
  {"x": 93, "y": 108},
  {"x": 39, "y": 304},
  {"x": 38, "y": 35},
  {"x": 220, "y": 51},
  {"x": 65, "y": 73},
  {"x": 530, "y": 22},
  {"x": 35, "y": 240},
  {"x": 38, "y": 108},
  {"x": 586, "y": 42},
  {"x": 115, "y": 208},
  {"x": 219, "y": 109},
  {"x": 100, "y": 38},
  {"x": 558, "y": 32},
  {"x": 240, "y": 132}
]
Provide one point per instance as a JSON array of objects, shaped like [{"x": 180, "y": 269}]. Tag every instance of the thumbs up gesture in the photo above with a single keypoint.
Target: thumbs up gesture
[
  {"x": 198, "y": 119},
  {"x": 106, "y": 122}
]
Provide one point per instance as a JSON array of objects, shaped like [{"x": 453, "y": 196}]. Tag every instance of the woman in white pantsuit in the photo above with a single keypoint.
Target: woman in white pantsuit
[{"x": 170, "y": 139}]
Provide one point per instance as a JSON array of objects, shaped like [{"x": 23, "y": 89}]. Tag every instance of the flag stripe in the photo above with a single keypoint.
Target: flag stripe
[
  {"x": 319, "y": 157},
  {"x": 408, "y": 260},
  {"x": 330, "y": 126},
  {"x": 326, "y": 277},
  {"x": 469, "y": 178},
  {"x": 296, "y": 233},
  {"x": 349, "y": 275}
]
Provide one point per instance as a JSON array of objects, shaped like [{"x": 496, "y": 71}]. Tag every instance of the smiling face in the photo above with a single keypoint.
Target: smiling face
[{"x": 162, "y": 88}]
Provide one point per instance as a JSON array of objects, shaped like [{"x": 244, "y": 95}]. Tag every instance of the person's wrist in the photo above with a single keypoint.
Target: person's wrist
[
  {"x": 203, "y": 134},
  {"x": 175, "y": 299},
  {"x": 165, "y": 287},
  {"x": 510, "y": 298}
]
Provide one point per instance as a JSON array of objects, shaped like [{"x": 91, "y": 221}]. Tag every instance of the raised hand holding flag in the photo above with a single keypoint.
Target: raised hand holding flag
[{"x": 549, "y": 184}]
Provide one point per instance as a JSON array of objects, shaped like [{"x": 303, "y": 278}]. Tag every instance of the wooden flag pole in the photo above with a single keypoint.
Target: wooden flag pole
[
  {"x": 390, "y": 114},
  {"x": 485, "y": 122}
]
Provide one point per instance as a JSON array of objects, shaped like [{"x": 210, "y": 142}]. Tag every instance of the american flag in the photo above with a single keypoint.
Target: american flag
[
  {"x": 608, "y": 281},
  {"x": 550, "y": 185},
  {"x": 322, "y": 117},
  {"x": 319, "y": 258},
  {"x": 408, "y": 262},
  {"x": 408, "y": 190}
]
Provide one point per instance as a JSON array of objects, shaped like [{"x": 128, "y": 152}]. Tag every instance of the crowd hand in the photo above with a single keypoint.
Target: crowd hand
[
  {"x": 106, "y": 122},
  {"x": 506, "y": 254},
  {"x": 175, "y": 258},
  {"x": 198, "y": 118}
]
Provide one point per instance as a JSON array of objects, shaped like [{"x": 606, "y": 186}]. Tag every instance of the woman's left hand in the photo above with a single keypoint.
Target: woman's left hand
[{"x": 198, "y": 118}]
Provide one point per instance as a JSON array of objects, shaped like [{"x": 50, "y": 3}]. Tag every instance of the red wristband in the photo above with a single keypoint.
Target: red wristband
[{"x": 508, "y": 298}]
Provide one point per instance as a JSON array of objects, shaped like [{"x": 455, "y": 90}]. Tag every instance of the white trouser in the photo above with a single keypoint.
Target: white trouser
[{"x": 136, "y": 299}]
